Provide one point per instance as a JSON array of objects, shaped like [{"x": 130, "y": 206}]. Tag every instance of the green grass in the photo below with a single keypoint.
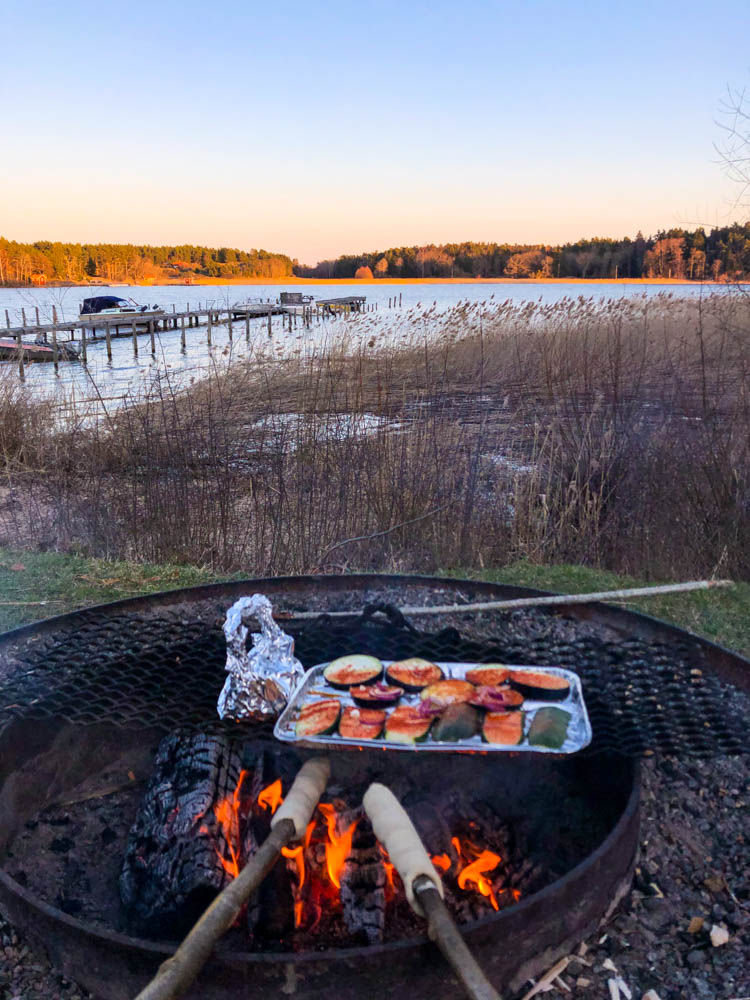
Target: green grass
[{"x": 37, "y": 585}]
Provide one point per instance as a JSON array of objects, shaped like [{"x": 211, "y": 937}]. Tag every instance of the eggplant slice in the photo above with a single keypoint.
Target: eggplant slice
[
  {"x": 348, "y": 671},
  {"x": 413, "y": 674}
]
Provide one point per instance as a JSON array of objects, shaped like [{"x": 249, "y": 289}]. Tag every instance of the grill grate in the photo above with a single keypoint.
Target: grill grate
[{"x": 166, "y": 670}]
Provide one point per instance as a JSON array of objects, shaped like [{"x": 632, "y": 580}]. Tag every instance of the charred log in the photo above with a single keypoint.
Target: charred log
[
  {"x": 172, "y": 869},
  {"x": 363, "y": 881}
]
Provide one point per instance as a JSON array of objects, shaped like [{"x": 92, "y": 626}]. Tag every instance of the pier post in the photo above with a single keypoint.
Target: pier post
[
  {"x": 182, "y": 334},
  {"x": 84, "y": 358},
  {"x": 54, "y": 341},
  {"x": 247, "y": 326},
  {"x": 399, "y": 300},
  {"x": 36, "y": 309},
  {"x": 21, "y": 371},
  {"x": 269, "y": 320},
  {"x": 151, "y": 326},
  {"x": 208, "y": 329},
  {"x": 108, "y": 335},
  {"x": 7, "y": 319},
  {"x": 23, "y": 316},
  {"x": 229, "y": 323},
  {"x": 135, "y": 340}
]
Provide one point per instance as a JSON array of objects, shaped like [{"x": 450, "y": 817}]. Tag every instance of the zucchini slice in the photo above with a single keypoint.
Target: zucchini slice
[
  {"x": 378, "y": 695},
  {"x": 496, "y": 699},
  {"x": 491, "y": 674},
  {"x": 347, "y": 671},
  {"x": 413, "y": 674},
  {"x": 458, "y": 722},
  {"x": 540, "y": 685},
  {"x": 318, "y": 718},
  {"x": 503, "y": 728},
  {"x": 549, "y": 727},
  {"x": 361, "y": 723},
  {"x": 406, "y": 725},
  {"x": 444, "y": 693}
]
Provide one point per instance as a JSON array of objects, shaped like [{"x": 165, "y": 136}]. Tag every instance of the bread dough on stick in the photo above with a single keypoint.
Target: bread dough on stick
[
  {"x": 397, "y": 834},
  {"x": 304, "y": 795}
]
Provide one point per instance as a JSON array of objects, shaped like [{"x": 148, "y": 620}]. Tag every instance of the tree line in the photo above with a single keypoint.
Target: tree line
[
  {"x": 722, "y": 252},
  {"x": 43, "y": 262}
]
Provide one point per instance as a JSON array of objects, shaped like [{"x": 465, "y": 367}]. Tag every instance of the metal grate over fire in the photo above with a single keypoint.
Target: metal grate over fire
[{"x": 164, "y": 669}]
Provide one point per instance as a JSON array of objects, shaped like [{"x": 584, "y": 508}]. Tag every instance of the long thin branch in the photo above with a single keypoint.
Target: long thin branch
[{"x": 532, "y": 602}]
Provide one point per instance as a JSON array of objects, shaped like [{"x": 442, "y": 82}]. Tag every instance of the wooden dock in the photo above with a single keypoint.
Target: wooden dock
[{"x": 80, "y": 333}]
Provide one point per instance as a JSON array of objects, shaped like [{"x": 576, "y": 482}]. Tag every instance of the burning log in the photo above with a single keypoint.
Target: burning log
[
  {"x": 289, "y": 822},
  {"x": 363, "y": 880},
  {"x": 178, "y": 854}
]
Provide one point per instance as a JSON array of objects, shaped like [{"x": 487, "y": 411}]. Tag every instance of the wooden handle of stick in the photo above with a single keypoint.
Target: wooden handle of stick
[
  {"x": 176, "y": 974},
  {"x": 442, "y": 929}
]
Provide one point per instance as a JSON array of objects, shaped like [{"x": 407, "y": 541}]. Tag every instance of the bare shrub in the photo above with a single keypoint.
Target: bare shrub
[{"x": 611, "y": 433}]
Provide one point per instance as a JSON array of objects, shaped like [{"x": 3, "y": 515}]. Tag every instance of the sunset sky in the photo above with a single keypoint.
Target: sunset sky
[{"x": 320, "y": 129}]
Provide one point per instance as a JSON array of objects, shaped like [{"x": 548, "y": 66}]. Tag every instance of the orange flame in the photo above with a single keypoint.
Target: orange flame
[
  {"x": 227, "y": 813},
  {"x": 271, "y": 797},
  {"x": 441, "y": 861},
  {"x": 298, "y": 855},
  {"x": 474, "y": 871},
  {"x": 338, "y": 848}
]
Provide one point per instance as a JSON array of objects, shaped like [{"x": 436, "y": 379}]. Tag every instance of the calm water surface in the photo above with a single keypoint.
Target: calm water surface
[{"x": 113, "y": 382}]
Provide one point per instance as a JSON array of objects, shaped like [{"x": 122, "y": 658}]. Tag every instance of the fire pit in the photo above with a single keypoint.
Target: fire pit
[{"x": 90, "y": 697}]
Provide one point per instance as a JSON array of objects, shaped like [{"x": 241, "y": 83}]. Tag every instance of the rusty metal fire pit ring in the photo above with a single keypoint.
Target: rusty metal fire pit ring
[
  {"x": 115, "y": 966},
  {"x": 512, "y": 945}
]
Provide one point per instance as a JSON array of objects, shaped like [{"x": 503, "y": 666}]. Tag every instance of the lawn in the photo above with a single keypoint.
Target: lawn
[{"x": 37, "y": 585}]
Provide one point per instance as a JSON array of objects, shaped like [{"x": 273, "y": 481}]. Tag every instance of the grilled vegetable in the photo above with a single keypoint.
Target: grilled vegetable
[
  {"x": 503, "y": 728},
  {"x": 444, "y": 693},
  {"x": 347, "y": 671},
  {"x": 549, "y": 728},
  {"x": 361, "y": 723},
  {"x": 492, "y": 674},
  {"x": 377, "y": 695},
  {"x": 406, "y": 725},
  {"x": 413, "y": 674},
  {"x": 318, "y": 718},
  {"x": 458, "y": 722},
  {"x": 496, "y": 699},
  {"x": 540, "y": 685}
]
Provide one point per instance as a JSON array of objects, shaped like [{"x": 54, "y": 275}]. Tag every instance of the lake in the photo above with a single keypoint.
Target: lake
[{"x": 113, "y": 381}]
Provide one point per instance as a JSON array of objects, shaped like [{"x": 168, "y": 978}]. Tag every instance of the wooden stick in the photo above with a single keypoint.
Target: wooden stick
[
  {"x": 442, "y": 929},
  {"x": 533, "y": 602},
  {"x": 398, "y": 835},
  {"x": 177, "y": 973}
]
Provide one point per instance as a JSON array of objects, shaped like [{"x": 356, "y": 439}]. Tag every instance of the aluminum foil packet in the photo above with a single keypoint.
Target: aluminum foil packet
[{"x": 261, "y": 679}]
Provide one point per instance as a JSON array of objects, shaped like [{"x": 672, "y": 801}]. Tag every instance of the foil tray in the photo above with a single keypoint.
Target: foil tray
[{"x": 313, "y": 687}]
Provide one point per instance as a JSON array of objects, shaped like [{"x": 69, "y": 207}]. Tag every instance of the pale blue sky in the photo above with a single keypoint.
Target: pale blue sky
[{"x": 321, "y": 129}]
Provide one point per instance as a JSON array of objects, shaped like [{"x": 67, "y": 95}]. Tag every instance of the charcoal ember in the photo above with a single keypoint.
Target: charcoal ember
[
  {"x": 363, "y": 881},
  {"x": 433, "y": 829},
  {"x": 271, "y": 913},
  {"x": 171, "y": 870}
]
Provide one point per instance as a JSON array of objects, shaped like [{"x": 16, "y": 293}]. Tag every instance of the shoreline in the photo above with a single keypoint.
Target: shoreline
[{"x": 296, "y": 280}]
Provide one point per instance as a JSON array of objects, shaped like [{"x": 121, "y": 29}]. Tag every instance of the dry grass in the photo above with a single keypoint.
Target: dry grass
[{"x": 614, "y": 434}]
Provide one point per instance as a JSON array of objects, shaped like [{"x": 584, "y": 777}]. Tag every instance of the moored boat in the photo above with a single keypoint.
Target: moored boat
[{"x": 10, "y": 350}]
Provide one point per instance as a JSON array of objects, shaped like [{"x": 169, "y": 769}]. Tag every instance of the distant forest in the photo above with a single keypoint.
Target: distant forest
[
  {"x": 39, "y": 263},
  {"x": 675, "y": 253}
]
